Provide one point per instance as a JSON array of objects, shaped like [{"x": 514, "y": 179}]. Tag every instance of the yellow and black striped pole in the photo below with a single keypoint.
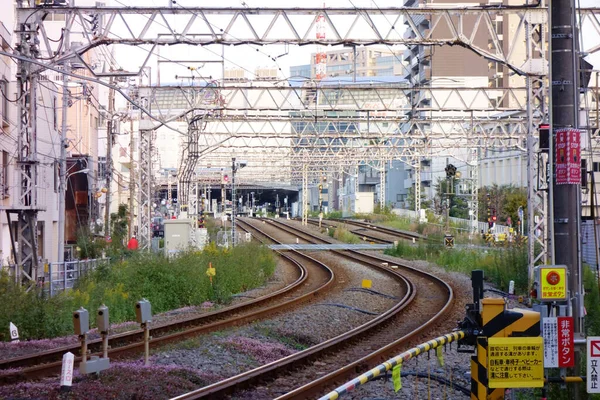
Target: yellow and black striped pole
[{"x": 497, "y": 321}]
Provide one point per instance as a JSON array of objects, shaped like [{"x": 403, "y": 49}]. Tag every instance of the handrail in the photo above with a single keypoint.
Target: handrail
[{"x": 392, "y": 362}]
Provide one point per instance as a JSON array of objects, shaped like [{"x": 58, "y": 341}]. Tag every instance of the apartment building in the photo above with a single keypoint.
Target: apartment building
[
  {"x": 455, "y": 66},
  {"x": 48, "y": 150}
]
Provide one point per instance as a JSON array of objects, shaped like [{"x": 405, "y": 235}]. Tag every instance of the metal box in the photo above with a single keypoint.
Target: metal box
[
  {"x": 102, "y": 319},
  {"x": 177, "y": 235},
  {"x": 551, "y": 282},
  {"x": 81, "y": 321},
  {"x": 143, "y": 311}
]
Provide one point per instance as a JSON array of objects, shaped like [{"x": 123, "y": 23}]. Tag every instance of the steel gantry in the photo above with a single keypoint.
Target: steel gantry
[{"x": 286, "y": 116}]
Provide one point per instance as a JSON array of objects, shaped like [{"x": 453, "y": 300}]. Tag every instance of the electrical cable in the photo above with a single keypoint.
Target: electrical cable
[{"x": 98, "y": 81}]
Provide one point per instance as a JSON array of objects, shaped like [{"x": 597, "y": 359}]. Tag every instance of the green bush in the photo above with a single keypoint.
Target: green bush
[
  {"x": 344, "y": 235},
  {"x": 334, "y": 214},
  {"x": 499, "y": 265},
  {"x": 167, "y": 284}
]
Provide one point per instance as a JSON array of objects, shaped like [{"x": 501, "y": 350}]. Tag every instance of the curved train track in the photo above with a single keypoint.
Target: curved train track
[
  {"x": 370, "y": 232},
  {"x": 314, "y": 278},
  {"x": 321, "y": 367}
]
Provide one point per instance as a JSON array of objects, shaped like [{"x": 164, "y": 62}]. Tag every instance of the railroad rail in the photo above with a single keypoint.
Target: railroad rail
[
  {"x": 358, "y": 343},
  {"x": 364, "y": 227},
  {"x": 50, "y": 362},
  {"x": 382, "y": 229}
]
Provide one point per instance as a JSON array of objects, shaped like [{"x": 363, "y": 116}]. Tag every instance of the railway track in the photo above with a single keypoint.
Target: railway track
[
  {"x": 314, "y": 277},
  {"x": 315, "y": 370},
  {"x": 371, "y": 232},
  {"x": 358, "y": 232}
]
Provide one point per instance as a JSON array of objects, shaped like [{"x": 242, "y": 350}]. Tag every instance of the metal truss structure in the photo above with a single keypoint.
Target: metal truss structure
[
  {"x": 365, "y": 26},
  {"x": 145, "y": 184},
  {"x": 317, "y": 127}
]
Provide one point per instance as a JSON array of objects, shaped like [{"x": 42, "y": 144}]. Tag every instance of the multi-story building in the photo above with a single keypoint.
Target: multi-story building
[
  {"x": 353, "y": 61},
  {"x": 48, "y": 151},
  {"x": 83, "y": 123},
  {"x": 458, "y": 67}
]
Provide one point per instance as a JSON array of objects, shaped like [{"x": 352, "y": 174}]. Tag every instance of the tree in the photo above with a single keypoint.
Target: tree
[
  {"x": 410, "y": 199},
  {"x": 119, "y": 224},
  {"x": 459, "y": 206},
  {"x": 505, "y": 200}
]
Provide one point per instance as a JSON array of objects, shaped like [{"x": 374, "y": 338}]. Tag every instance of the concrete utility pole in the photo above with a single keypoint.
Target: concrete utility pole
[
  {"x": 566, "y": 191},
  {"x": 109, "y": 145}
]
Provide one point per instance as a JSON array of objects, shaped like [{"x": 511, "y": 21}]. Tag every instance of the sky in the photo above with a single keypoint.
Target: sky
[
  {"x": 246, "y": 57},
  {"x": 250, "y": 57}
]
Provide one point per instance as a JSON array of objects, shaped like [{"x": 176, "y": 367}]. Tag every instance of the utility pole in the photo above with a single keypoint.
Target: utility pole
[
  {"x": 62, "y": 190},
  {"x": 564, "y": 151},
  {"x": 109, "y": 145}
]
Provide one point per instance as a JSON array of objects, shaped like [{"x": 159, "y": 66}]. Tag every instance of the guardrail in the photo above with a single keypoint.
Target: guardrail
[
  {"x": 64, "y": 275},
  {"x": 392, "y": 362}
]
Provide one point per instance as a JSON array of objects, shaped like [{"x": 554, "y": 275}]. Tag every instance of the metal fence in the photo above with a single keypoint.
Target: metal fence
[
  {"x": 224, "y": 238},
  {"x": 461, "y": 224},
  {"x": 62, "y": 276}
]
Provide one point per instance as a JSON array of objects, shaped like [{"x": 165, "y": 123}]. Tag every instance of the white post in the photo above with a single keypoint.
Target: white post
[{"x": 66, "y": 375}]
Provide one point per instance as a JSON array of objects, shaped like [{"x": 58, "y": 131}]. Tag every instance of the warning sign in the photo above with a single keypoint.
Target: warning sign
[
  {"x": 550, "y": 335},
  {"x": 566, "y": 342},
  {"x": 553, "y": 283},
  {"x": 515, "y": 362},
  {"x": 593, "y": 364},
  {"x": 559, "y": 348},
  {"x": 567, "y": 153}
]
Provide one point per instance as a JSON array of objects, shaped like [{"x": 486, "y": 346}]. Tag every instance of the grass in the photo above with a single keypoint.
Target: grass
[
  {"x": 167, "y": 284},
  {"x": 499, "y": 265},
  {"x": 342, "y": 234}
]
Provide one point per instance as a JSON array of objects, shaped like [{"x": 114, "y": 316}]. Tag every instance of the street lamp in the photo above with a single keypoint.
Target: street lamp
[
  {"x": 235, "y": 165},
  {"x": 61, "y": 215}
]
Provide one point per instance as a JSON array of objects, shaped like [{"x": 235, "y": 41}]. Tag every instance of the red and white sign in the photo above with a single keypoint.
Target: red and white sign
[
  {"x": 593, "y": 364},
  {"x": 566, "y": 344},
  {"x": 567, "y": 155},
  {"x": 66, "y": 375}
]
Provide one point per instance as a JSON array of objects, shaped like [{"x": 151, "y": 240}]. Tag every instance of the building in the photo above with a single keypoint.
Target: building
[
  {"x": 84, "y": 119},
  {"x": 48, "y": 150},
  {"x": 362, "y": 61},
  {"x": 317, "y": 97},
  {"x": 458, "y": 67}
]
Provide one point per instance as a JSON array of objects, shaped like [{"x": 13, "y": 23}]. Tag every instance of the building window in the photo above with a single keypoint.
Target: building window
[
  {"x": 4, "y": 176},
  {"x": 4, "y": 110},
  {"x": 55, "y": 112}
]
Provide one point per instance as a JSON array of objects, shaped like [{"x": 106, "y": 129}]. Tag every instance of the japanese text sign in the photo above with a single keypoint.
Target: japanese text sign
[
  {"x": 559, "y": 347},
  {"x": 593, "y": 364},
  {"x": 553, "y": 283},
  {"x": 566, "y": 343},
  {"x": 550, "y": 335},
  {"x": 515, "y": 362},
  {"x": 567, "y": 155}
]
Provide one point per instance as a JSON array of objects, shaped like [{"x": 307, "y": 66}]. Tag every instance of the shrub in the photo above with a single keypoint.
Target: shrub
[
  {"x": 499, "y": 265},
  {"x": 167, "y": 284},
  {"x": 344, "y": 235}
]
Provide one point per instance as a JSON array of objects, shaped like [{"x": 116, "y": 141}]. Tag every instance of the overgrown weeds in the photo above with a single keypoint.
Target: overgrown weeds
[
  {"x": 500, "y": 266},
  {"x": 167, "y": 284}
]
